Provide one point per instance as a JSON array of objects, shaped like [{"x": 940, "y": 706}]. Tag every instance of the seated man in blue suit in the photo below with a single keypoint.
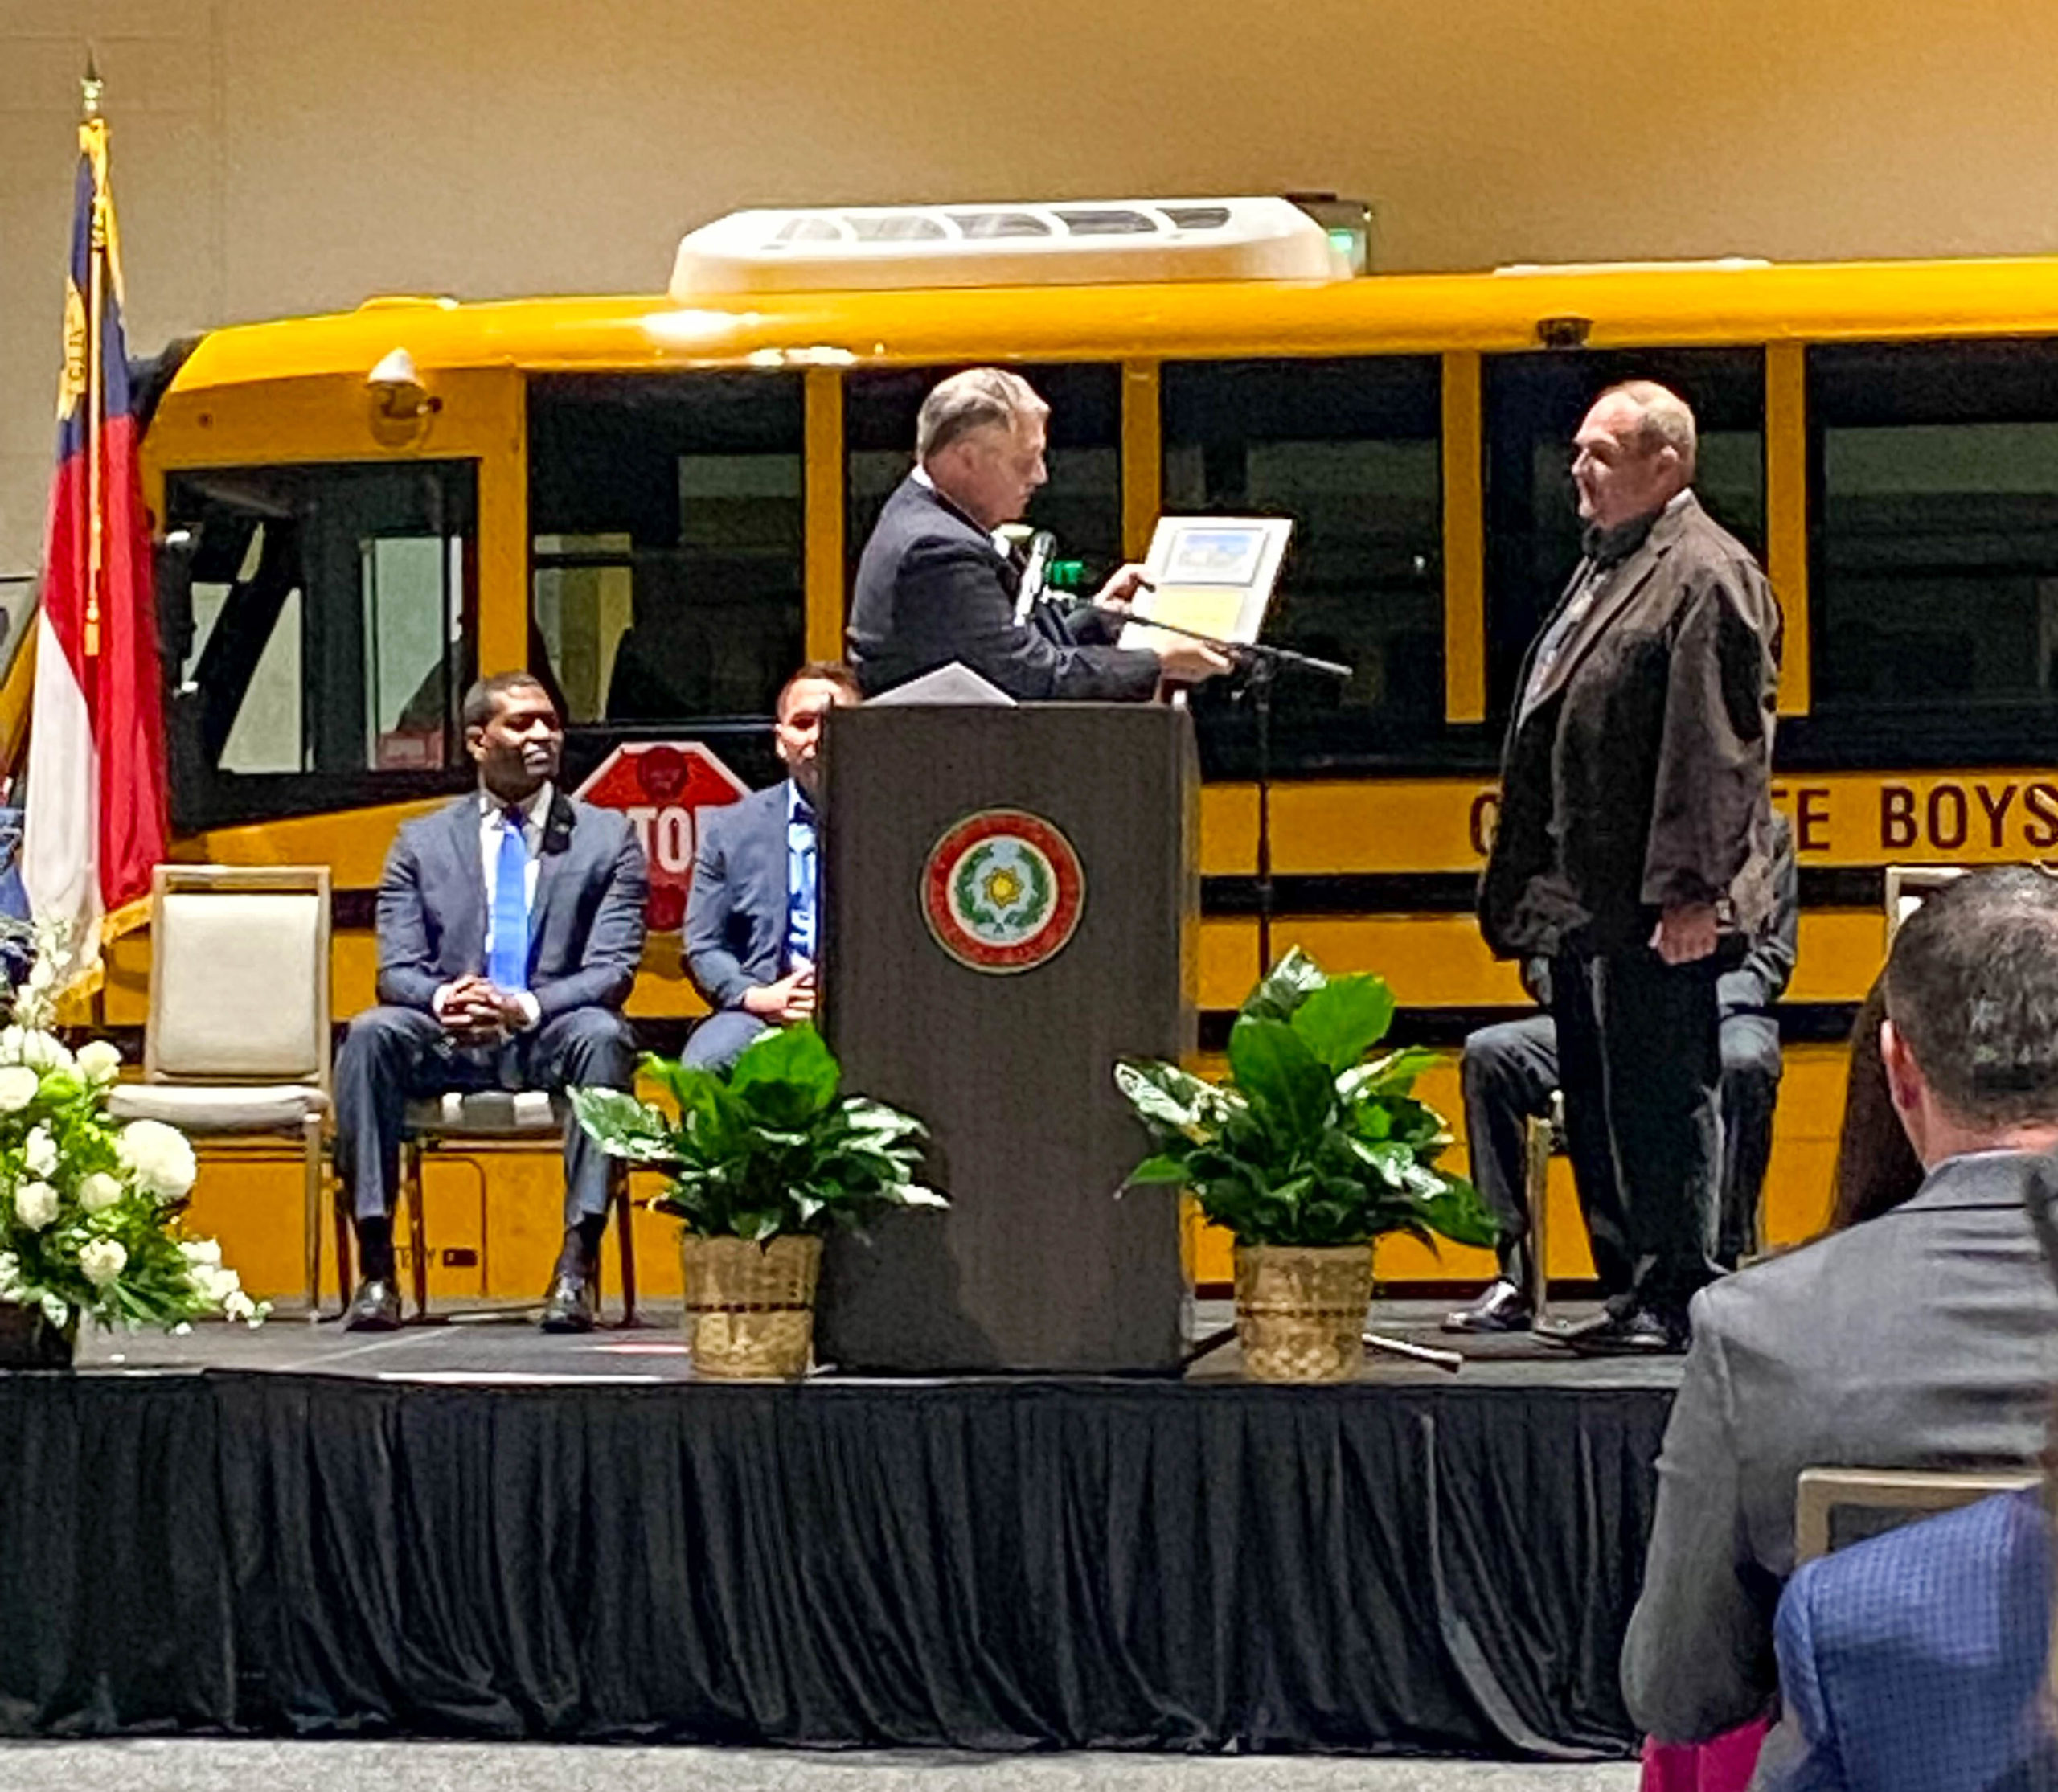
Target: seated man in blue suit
[
  {"x": 750, "y": 919},
  {"x": 511, "y": 924},
  {"x": 1917, "y": 1660}
]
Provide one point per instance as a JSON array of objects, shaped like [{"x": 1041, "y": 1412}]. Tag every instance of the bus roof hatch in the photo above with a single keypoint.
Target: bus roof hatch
[{"x": 1087, "y": 242}]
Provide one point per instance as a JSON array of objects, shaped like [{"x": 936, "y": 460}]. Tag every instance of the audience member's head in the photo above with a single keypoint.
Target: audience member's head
[
  {"x": 1970, "y": 1044},
  {"x": 1876, "y": 1167},
  {"x": 804, "y": 699}
]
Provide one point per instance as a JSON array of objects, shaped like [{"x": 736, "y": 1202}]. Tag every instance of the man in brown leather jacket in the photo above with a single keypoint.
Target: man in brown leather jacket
[{"x": 1633, "y": 848}]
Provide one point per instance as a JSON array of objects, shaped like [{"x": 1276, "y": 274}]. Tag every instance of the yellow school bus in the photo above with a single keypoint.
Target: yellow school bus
[{"x": 656, "y": 502}]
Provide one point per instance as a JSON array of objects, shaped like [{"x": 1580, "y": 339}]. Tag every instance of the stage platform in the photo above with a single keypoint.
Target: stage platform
[{"x": 472, "y": 1529}]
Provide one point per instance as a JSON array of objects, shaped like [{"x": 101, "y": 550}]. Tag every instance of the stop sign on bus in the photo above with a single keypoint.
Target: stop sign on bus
[{"x": 662, "y": 786}]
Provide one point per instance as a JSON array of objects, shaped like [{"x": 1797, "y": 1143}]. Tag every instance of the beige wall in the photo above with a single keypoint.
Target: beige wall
[{"x": 273, "y": 156}]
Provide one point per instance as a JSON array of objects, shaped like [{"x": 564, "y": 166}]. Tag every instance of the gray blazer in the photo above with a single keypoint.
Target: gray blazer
[
  {"x": 735, "y": 913},
  {"x": 585, "y": 926},
  {"x": 1919, "y": 1339}
]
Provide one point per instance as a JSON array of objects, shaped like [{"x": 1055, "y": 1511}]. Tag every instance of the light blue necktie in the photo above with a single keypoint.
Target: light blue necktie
[{"x": 508, "y": 961}]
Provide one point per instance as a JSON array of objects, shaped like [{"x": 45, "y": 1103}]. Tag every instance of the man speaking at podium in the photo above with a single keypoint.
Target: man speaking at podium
[{"x": 933, "y": 588}]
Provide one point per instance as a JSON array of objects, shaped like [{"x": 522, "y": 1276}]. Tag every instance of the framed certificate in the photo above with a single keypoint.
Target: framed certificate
[{"x": 1212, "y": 574}]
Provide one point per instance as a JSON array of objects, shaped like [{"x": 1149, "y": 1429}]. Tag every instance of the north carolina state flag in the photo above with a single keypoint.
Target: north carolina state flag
[{"x": 95, "y": 821}]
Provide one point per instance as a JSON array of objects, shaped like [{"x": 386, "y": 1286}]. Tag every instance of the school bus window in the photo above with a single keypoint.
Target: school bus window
[
  {"x": 314, "y": 620},
  {"x": 1350, "y": 449},
  {"x": 1934, "y": 555},
  {"x": 669, "y": 525},
  {"x": 1082, "y": 504},
  {"x": 1534, "y": 404}
]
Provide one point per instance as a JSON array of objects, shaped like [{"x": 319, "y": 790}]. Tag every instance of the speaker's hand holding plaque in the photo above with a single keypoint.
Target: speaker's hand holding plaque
[{"x": 1211, "y": 576}]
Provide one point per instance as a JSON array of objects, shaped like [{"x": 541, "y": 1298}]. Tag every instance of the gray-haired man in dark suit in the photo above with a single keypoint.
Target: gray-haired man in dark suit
[
  {"x": 511, "y": 924},
  {"x": 932, "y": 588},
  {"x": 753, "y": 918}
]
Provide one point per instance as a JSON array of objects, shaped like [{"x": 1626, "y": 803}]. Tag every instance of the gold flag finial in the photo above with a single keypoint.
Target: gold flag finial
[{"x": 89, "y": 88}]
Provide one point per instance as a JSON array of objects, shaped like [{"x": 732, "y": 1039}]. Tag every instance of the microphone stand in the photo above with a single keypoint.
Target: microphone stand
[{"x": 1261, "y": 665}]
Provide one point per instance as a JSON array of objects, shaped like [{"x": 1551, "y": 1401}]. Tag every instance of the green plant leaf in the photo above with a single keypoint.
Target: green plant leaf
[
  {"x": 1393, "y": 1074},
  {"x": 1169, "y": 1098},
  {"x": 1284, "y": 987},
  {"x": 786, "y": 1076},
  {"x": 1458, "y": 1212},
  {"x": 623, "y": 1126},
  {"x": 1340, "y": 1022},
  {"x": 1291, "y": 1095},
  {"x": 1163, "y": 1170}
]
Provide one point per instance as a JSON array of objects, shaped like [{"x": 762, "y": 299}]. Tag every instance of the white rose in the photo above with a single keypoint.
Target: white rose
[
  {"x": 158, "y": 1158},
  {"x": 98, "y": 1191},
  {"x": 10, "y": 1045},
  {"x": 39, "y": 1151},
  {"x": 240, "y": 1306},
  {"x": 101, "y": 1260},
  {"x": 42, "y": 1051},
  {"x": 201, "y": 1250},
  {"x": 99, "y": 1060},
  {"x": 36, "y": 1205},
  {"x": 18, "y": 1088}
]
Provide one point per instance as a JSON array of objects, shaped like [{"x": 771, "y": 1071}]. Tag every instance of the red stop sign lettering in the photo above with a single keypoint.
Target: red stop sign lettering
[{"x": 662, "y": 786}]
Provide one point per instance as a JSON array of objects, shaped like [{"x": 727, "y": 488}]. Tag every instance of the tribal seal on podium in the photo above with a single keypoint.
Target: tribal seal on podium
[{"x": 1001, "y": 890}]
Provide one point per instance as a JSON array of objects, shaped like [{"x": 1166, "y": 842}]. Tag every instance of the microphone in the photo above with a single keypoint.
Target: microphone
[{"x": 1035, "y": 573}]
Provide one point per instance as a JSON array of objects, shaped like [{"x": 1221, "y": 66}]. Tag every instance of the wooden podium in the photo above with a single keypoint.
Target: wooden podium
[{"x": 1010, "y": 897}]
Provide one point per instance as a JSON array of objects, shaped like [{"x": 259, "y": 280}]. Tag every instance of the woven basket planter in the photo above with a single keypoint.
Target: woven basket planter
[
  {"x": 750, "y": 1308},
  {"x": 1301, "y": 1311}
]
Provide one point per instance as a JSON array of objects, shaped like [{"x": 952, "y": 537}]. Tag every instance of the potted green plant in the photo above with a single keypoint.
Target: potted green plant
[
  {"x": 1311, "y": 1149},
  {"x": 90, "y": 1208},
  {"x": 763, "y": 1161}
]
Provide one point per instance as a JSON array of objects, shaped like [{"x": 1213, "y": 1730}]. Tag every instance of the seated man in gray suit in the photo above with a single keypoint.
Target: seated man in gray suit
[
  {"x": 511, "y": 924},
  {"x": 1917, "y": 1339},
  {"x": 751, "y": 917}
]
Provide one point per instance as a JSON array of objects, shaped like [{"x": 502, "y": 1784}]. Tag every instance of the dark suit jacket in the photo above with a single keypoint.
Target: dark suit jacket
[
  {"x": 1913, "y": 1662},
  {"x": 1918, "y": 1339},
  {"x": 735, "y": 913},
  {"x": 932, "y": 588},
  {"x": 585, "y": 925},
  {"x": 1641, "y": 776}
]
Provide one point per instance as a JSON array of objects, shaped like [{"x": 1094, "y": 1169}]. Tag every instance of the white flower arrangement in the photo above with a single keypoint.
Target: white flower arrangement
[{"x": 89, "y": 1225}]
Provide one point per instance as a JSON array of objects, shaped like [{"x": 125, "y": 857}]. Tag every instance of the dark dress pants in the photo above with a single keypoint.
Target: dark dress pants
[
  {"x": 392, "y": 1055},
  {"x": 716, "y": 1043},
  {"x": 1509, "y": 1073},
  {"x": 1750, "y": 1095},
  {"x": 1640, "y": 1063}
]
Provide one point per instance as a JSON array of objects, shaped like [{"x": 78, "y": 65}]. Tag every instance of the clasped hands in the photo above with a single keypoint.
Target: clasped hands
[
  {"x": 475, "y": 1011},
  {"x": 782, "y": 1003}
]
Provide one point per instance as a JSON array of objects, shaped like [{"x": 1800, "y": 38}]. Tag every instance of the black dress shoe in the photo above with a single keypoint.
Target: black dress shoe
[
  {"x": 1503, "y": 1307},
  {"x": 1643, "y": 1331},
  {"x": 569, "y": 1307},
  {"x": 375, "y": 1307}
]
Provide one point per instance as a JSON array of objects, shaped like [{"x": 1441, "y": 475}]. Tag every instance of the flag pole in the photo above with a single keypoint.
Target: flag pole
[{"x": 92, "y": 140}]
